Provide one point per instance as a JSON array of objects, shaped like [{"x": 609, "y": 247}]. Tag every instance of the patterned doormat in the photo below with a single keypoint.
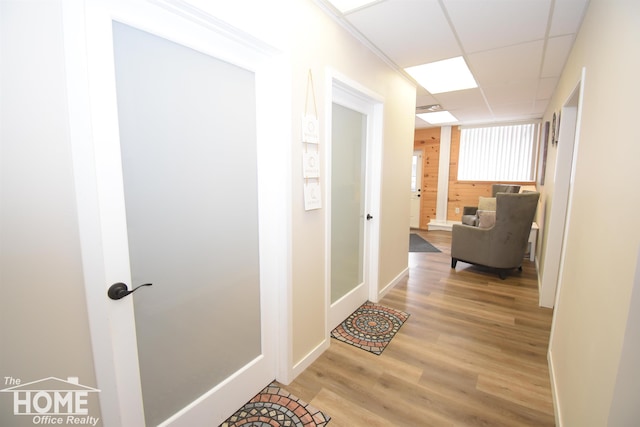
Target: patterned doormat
[
  {"x": 275, "y": 407},
  {"x": 371, "y": 327}
]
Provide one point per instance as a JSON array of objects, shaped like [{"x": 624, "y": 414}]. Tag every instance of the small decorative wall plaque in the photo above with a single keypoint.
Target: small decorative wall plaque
[{"x": 312, "y": 196}]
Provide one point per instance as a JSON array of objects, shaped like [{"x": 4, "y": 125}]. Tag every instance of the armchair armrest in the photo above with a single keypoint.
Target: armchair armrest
[
  {"x": 469, "y": 215},
  {"x": 469, "y": 210},
  {"x": 471, "y": 244}
]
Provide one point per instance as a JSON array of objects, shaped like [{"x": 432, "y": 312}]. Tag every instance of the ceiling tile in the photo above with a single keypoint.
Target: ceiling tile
[
  {"x": 567, "y": 16},
  {"x": 512, "y": 93},
  {"x": 523, "y": 110},
  {"x": 474, "y": 115},
  {"x": 502, "y": 66},
  {"x": 546, "y": 87},
  {"x": 410, "y": 32},
  {"x": 453, "y": 101},
  {"x": 540, "y": 106},
  {"x": 489, "y": 24},
  {"x": 556, "y": 54}
]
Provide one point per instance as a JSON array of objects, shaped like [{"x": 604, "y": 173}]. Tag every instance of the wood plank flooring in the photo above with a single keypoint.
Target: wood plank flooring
[{"x": 472, "y": 353}]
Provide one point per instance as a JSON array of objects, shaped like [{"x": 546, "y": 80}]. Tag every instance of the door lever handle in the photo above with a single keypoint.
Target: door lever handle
[
  {"x": 121, "y": 290},
  {"x": 369, "y": 217}
]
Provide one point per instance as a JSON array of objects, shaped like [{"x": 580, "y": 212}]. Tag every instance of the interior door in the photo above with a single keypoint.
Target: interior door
[
  {"x": 348, "y": 207},
  {"x": 170, "y": 193},
  {"x": 416, "y": 188},
  {"x": 187, "y": 129},
  {"x": 352, "y": 221}
]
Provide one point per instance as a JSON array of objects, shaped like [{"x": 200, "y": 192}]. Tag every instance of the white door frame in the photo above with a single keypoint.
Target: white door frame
[
  {"x": 351, "y": 94},
  {"x": 558, "y": 225},
  {"x": 93, "y": 130}
]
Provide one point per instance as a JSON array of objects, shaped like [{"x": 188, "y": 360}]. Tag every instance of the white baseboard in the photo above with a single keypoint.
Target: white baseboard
[
  {"x": 341, "y": 309},
  {"x": 391, "y": 284},
  {"x": 442, "y": 225},
  {"x": 307, "y": 360},
  {"x": 554, "y": 389}
]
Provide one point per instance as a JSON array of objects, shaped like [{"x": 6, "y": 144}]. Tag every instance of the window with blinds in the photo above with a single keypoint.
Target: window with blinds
[{"x": 498, "y": 153}]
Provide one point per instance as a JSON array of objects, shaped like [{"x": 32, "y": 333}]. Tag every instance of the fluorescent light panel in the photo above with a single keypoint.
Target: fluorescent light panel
[
  {"x": 439, "y": 117},
  {"x": 443, "y": 76},
  {"x": 345, "y": 6}
]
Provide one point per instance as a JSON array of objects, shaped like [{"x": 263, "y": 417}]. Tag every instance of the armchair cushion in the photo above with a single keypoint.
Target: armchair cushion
[
  {"x": 486, "y": 219},
  {"x": 487, "y": 203}
]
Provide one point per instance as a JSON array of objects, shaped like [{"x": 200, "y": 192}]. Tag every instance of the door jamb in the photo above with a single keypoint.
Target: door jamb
[{"x": 559, "y": 216}]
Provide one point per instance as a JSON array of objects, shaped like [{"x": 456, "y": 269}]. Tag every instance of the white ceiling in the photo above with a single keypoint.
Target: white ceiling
[{"x": 516, "y": 49}]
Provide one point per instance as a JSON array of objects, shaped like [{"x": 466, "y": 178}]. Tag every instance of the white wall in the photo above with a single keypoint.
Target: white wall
[
  {"x": 320, "y": 43},
  {"x": 43, "y": 317},
  {"x": 602, "y": 242},
  {"x": 625, "y": 410}
]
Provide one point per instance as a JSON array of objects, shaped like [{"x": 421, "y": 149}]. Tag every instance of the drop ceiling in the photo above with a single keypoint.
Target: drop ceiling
[{"x": 516, "y": 49}]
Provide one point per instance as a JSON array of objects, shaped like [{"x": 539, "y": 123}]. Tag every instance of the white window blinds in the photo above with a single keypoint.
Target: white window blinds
[{"x": 498, "y": 153}]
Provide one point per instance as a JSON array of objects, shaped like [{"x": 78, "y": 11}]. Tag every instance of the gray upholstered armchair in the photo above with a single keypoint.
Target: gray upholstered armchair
[{"x": 501, "y": 246}]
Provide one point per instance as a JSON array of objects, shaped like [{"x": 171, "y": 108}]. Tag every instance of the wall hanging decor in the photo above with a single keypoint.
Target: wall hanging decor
[
  {"x": 545, "y": 147},
  {"x": 553, "y": 129},
  {"x": 311, "y": 154}
]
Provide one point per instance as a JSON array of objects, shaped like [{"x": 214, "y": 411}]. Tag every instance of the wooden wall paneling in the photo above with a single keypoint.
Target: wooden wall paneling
[{"x": 428, "y": 140}]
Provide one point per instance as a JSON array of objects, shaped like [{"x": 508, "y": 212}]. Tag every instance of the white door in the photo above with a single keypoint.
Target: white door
[
  {"x": 416, "y": 184},
  {"x": 353, "y": 221},
  {"x": 173, "y": 121}
]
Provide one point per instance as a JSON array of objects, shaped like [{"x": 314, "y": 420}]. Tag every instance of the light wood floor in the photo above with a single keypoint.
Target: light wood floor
[{"x": 472, "y": 353}]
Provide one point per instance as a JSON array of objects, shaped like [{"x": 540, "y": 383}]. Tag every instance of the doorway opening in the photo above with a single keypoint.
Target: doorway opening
[
  {"x": 558, "y": 226},
  {"x": 416, "y": 189}
]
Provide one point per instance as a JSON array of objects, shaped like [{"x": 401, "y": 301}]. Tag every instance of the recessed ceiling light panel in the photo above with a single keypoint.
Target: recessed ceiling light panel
[
  {"x": 443, "y": 76},
  {"x": 345, "y": 6},
  {"x": 437, "y": 118}
]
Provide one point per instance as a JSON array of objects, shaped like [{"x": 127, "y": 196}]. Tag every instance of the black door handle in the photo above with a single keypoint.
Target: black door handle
[
  {"x": 369, "y": 217},
  {"x": 121, "y": 290}
]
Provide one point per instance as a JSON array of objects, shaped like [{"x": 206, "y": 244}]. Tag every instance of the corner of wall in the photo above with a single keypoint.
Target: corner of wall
[
  {"x": 554, "y": 389},
  {"x": 382, "y": 292},
  {"x": 306, "y": 361}
]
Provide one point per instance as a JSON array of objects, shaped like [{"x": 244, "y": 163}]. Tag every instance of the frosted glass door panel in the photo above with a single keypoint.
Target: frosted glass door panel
[
  {"x": 188, "y": 141},
  {"x": 348, "y": 137}
]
